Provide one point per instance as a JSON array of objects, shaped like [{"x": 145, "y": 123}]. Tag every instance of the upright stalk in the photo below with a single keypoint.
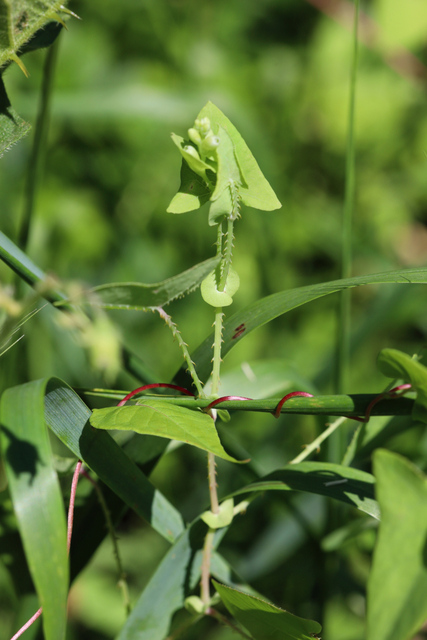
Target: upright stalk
[
  {"x": 40, "y": 135},
  {"x": 344, "y": 311}
]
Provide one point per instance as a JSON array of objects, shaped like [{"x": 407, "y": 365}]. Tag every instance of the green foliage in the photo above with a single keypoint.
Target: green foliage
[
  {"x": 396, "y": 606},
  {"x": 280, "y": 71},
  {"x": 264, "y": 620},
  {"x": 158, "y": 418}
]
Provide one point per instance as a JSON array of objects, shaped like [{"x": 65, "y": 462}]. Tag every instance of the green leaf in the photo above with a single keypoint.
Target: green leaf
[
  {"x": 160, "y": 418},
  {"x": 255, "y": 190},
  {"x": 68, "y": 417},
  {"x": 19, "y": 22},
  {"x": 193, "y": 192},
  {"x": 397, "y": 606},
  {"x": 263, "y": 620},
  {"x": 335, "y": 481},
  {"x": 395, "y": 364},
  {"x": 173, "y": 581},
  {"x": 212, "y": 295},
  {"x": 223, "y": 518},
  {"x": 12, "y": 126},
  {"x": 138, "y": 296},
  {"x": 255, "y": 315},
  {"x": 37, "y": 500}
]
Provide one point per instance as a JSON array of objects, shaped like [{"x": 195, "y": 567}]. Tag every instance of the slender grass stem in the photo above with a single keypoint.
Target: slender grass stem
[
  {"x": 205, "y": 592},
  {"x": 337, "y": 444},
  {"x": 37, "y": 152},
  {"x": 343, "y": 341}
]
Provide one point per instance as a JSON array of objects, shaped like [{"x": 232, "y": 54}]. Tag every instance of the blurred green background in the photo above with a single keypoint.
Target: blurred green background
[{"x": 127, "y": 75}]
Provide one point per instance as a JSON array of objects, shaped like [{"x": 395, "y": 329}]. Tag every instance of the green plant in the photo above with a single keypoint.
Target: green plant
[{"x": 217, "y": 167}]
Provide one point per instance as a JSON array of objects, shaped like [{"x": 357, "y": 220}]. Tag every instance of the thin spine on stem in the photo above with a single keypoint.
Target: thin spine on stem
[{"x": 184, "y": 348}]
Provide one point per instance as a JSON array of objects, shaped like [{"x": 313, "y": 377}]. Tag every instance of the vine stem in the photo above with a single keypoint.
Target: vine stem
[{"x": 184, "y": 348}]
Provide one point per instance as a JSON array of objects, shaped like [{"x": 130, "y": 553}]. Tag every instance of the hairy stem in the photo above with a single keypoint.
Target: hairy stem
[
  {"x": 205, "y": 593},
  {"x": 184, "y": 348}
]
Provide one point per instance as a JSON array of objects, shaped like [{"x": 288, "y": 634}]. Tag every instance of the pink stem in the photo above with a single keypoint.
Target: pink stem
[
  {"x": 294, "y": 394},
  {"x": 393, "y": 393},
  {"x": 224, "y": 399},
  {"x": 70, "y": 521},
  {"x": 155, "y": 385}
]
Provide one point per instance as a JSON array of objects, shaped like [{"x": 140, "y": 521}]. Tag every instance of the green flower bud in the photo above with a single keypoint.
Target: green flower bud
[
  {"x": 195, "y": 136},
  {"x": 203, "y": 126},
  {"x": 192, "y": 151},
  {"x": 210, "y": 145}
]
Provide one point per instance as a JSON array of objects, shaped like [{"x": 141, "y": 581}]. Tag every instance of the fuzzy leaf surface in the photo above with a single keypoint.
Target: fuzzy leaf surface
[
  {"x": 138, "y": 296},
  {"x": 263, "y": 620},
  {"x": 12, "y": 126},
  {"x": 19, "y": 22},
  {"x": 160, "y": 418},
  {"x": 397, "y": 606}
]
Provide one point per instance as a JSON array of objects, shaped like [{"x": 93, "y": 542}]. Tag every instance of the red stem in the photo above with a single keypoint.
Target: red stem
[
  {"x": 294, "y": 394},
  {"x": 224, "y": 399},
  {"x": 155, "y": 385}
]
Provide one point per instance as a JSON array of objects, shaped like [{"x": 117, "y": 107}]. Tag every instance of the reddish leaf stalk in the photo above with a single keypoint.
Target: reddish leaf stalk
[{"x": 224, "y": 399}]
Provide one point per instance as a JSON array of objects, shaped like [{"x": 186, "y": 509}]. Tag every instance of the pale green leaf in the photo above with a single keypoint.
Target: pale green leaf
[
  {"x": 397, "y": 587},
  {"x": 263, "y": 620},
  {"x": 193, "y": 192},
  {"x": 160, "y": 418},
  {"x": 255, "y": 190}
]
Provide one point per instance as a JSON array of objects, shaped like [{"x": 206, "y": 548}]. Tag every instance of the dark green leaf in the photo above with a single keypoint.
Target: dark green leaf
[
  {"x": 323, "y": 478},
  {"x": 68, "y": 417},
  {"x": 12, "y": 126},
  {"x": 264, "y": 620}
]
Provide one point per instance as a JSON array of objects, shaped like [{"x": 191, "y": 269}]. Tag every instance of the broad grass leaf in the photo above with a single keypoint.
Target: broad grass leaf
[
  {"x": 255, "y": 315},
  {"x": 345, "y": 484},
  {"x": 138, "y": 296},
  {"x": 397, "y": 586},
  {"x": 68, "y": 417},
  {"x": 396, "y": 364},
  {"x": 263, "y": 620},
  {"x": 37, "y": 499},
  {"x": 160, "y": 418}
]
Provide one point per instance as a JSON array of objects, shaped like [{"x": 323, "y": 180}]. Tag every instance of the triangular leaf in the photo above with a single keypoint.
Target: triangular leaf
[
  {"x": 264, "y": 620},
  {"x": 255, "y": 190},
  {"x": 193, "y": 192}
]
